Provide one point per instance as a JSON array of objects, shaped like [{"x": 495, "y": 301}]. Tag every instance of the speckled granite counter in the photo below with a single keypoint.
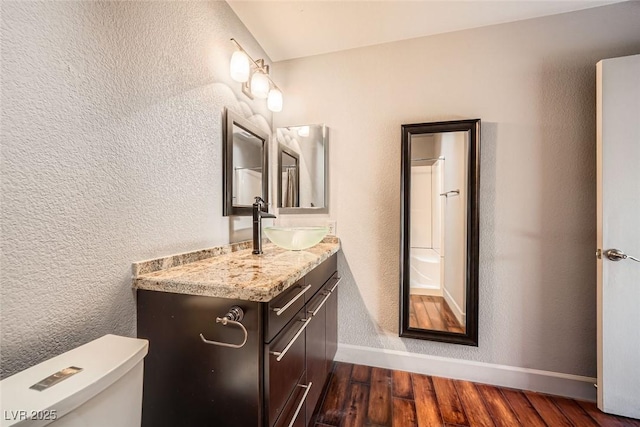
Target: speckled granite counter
[{"x": 232, "y": 271}]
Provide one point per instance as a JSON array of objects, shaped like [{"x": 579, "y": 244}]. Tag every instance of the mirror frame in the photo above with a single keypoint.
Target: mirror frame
[
  {"x": 306, "y": 210},
  {"x": 230, "y": 119},
  {"x": 470, "y": 337}
]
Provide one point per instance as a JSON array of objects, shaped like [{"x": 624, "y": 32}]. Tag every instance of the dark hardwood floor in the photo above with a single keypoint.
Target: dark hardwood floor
[
  {"x": 363, "y": 396},
  {"x": 431, "y": 312}
]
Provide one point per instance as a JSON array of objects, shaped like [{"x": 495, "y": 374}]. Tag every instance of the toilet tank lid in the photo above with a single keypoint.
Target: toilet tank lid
[{"x": 103, "y": 362}]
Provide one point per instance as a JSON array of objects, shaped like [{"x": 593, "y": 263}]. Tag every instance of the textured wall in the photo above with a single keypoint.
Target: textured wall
[
  {"x": 111, "y": 153},
  {"x": 533, "y": 85}
]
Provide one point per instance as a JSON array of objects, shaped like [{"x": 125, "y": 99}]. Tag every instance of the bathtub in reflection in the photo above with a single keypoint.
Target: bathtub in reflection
[
  {"x": 431, "y": 304},
  {"x": 425, "y": 272}
]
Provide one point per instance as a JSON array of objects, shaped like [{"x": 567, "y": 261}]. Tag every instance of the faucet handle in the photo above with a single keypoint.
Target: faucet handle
[{"x": 259, "y": 201}]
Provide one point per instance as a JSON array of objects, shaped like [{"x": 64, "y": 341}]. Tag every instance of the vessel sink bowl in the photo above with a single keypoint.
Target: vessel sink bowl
[{"x": 295, "y": 238}]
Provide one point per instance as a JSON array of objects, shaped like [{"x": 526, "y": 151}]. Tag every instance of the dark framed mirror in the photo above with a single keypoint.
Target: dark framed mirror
[
  {"x": 302, "y": 169},
  {"x": 440, "y": 239},
  {"x": 245, "y": 166}
]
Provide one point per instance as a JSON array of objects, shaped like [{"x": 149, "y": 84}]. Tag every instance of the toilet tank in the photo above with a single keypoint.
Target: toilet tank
[{"x": 97, "y": 384}]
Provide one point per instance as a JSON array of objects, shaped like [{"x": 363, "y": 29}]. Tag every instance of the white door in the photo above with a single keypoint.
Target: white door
[{"x": 618, "y": 199}]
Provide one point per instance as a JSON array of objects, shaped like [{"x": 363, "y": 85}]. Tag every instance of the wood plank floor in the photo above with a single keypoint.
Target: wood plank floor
[
  {"x": 431, "y": 312},
  {"x": 359, "y": 395}
]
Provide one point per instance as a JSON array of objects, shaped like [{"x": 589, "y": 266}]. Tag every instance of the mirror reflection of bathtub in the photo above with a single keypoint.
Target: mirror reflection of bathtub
[
  {"x": 245, "y": 166},
  {"x": 433, "y": 299},
  {"x": 247, "y": 183},
  {"x": 426, "y": 229},
  {"x": 439, "y": 260}
]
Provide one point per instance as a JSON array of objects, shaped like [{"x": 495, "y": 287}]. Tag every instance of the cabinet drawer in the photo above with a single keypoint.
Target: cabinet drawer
[
  {"x": 293, "y": 414},
  {"x": 284, "y": 358},
  {"x": 282, "y": 308},
  {"x": 319, "y": 275}
]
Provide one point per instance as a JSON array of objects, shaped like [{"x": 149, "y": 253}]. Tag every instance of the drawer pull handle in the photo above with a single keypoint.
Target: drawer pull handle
[
  {"x": 338, "y": 280},
  {"x": 280, "y": 354},
  {"x": 280, "y": 310},
  {"x": 327, "y": 296},
  {"x": 304, "y": 397},
  {"x": 233, "y": 317}
]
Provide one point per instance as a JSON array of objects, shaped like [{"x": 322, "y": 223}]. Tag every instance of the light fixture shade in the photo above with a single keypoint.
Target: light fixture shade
[
  {"x": 274, "y": 101},
  {"x": 239, "y": 67},
  {"x": 259, "y": 85}
]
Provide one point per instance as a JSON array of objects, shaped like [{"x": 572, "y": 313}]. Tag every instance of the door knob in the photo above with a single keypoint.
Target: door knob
[{"x": 618, "y": 255}]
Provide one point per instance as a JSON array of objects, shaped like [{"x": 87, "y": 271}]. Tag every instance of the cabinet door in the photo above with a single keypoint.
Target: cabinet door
[
  {"x": 188, "y": 382},
  {"x": 316, "y": 351},
  {"x": 332, "y": 326},
  {"x": 320, "y": 274}
]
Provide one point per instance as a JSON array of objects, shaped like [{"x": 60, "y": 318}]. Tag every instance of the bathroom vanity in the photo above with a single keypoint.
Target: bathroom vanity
[{"x": 202, "y": 369}]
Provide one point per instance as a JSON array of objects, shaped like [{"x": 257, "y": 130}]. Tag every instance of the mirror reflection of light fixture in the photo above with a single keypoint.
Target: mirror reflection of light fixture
[
  {"x": 303, "y": 131},
  {"x": 255, "y": 77}
]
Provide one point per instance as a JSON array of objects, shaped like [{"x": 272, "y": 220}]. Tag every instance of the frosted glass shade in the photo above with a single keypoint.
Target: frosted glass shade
[
  {"x": 274, "y": 101},
  {"x": 259, "y": 85},
  {"x": 296, "y": 238},
  {"x": 239, "y": 67}
]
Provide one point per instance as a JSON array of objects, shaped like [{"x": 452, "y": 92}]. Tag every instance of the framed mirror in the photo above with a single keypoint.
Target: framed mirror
[
  {"x": 439, "y": 244},
  {"x": 302, "y": 169},
  {"x": 246, "y": 164}
]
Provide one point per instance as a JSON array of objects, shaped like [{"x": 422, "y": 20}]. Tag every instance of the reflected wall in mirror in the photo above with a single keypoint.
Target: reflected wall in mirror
[
  {"x": 439, "y": 253},
  {"x": 302, "y": 169},
  {"x": 245, "y": 166}
]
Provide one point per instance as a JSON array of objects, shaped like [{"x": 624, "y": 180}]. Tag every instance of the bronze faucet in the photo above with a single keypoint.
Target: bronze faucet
[{"x": 258, "y": 214}]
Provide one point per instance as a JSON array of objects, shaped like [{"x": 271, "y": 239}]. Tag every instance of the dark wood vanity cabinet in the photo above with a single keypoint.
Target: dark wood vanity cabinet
[
  {"x": 321, "y": 341},
  {"x": 274, "y": 380}
]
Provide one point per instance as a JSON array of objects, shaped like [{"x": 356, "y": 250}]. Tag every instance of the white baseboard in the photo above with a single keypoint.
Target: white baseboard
[
  {"x": 455, "y": 308},
  {"x": 568, "y": 385},
  {"x": 432, "y": 292}
]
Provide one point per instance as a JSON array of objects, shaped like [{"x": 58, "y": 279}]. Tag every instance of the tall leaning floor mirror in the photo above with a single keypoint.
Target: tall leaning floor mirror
[{"x": 439, "y": 245}]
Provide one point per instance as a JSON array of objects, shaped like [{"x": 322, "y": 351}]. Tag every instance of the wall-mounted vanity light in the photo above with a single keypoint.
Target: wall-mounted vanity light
[{"x": 255, "y": 78}]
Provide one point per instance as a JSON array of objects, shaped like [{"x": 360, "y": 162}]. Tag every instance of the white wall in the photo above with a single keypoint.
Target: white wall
[
  {"x": 421, "y": 201},
  {"x": 533, "y": 85},
  {"x": 111, "y": 153}
]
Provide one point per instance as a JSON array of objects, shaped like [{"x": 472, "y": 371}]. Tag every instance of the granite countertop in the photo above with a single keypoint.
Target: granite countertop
[{"x": 232, "y": 271}]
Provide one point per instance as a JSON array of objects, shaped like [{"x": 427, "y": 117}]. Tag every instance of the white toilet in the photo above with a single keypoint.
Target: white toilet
[{"x": 97, "y": 384}]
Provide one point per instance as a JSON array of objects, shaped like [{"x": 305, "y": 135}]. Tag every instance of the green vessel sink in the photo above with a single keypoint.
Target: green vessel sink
[{"x": 295, "y": 238}]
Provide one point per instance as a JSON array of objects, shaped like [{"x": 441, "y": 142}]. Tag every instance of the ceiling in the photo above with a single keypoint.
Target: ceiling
[{"x": 294, "y": 29}]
